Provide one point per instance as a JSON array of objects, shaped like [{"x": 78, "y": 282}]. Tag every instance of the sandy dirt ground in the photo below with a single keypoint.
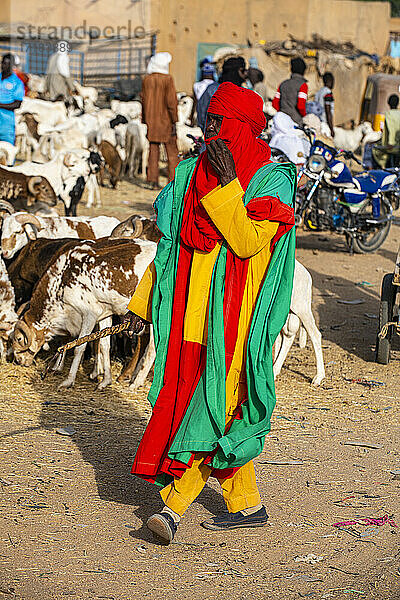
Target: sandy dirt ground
[{"x": 72, "y": 517}]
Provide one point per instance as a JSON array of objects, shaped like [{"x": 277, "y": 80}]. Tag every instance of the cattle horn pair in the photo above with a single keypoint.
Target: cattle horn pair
[
  {"x": 23, "y": 327},
  {"x": 33, "y": 182}
]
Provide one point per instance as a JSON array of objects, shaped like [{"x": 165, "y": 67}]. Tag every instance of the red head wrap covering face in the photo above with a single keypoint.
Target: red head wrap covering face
[{"x": 243, "y": 120}]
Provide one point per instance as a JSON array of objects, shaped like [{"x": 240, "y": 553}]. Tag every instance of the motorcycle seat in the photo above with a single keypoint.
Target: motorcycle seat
[
  {"x": 372, "y": 181},
  {"x": 339, "y": 175}
]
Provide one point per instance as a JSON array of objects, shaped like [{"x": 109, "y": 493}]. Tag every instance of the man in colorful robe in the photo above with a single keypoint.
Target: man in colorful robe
[{"x": 217, "y": 294}]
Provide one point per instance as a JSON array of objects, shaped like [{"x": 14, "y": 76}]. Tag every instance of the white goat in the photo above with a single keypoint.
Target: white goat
[
  {"x": 136, "y": 148},
  {"x": 51, "y": 113},
  {"x": 130, "y": 110},
  {"x": 185, "y": 144},
  {"x": 300, "y": 316},
  {"x": 56, "y": 141},
  {"x": 351, "y": 139},
  {"x": 87, "y": 93},
  {"x": 185, "y": 106},
  {"x": 93, "y": 191}
]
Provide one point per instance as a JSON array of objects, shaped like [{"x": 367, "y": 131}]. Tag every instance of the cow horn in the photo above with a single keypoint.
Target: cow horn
[
  {"x": 22, "y": 326},
  {"x": 32, "y": 182},
  {"x": 138, "y": 227},
  {"x": 27, "y": 218},
  {"x": 7, "y": 206}
]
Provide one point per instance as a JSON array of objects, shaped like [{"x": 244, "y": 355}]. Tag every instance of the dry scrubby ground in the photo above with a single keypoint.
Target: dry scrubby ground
[{"x": 72, "y": 516}]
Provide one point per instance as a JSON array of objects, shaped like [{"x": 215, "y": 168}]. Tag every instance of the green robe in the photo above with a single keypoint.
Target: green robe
[{"x": 203, "y": 426}]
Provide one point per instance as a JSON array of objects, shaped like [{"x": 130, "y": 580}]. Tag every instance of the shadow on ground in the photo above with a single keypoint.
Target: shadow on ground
[{"x": 108, "y": 431}]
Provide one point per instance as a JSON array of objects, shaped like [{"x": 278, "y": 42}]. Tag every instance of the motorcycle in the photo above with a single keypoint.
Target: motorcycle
[{"x": 331, "y": 199}]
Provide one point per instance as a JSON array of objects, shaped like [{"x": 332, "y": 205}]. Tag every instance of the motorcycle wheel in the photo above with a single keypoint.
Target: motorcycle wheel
[
  {"x": 385, "y": 316},
  {"x": 370, "y": 243}
]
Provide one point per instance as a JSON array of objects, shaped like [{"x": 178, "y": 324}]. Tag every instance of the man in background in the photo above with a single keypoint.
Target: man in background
[
  {"x": 59, "y": 83},
  {"x": 11, "y": 96},
  {"x": 233, "y": 70},
  {"x": 199, "y": 87},
  {"x": 389, "y": 148},
  {"x": 207, "y": 78},
  {"x": 291, "y": 95},
  {"x": 324, "y": 97},
  {"x": 160, "y": 114}
]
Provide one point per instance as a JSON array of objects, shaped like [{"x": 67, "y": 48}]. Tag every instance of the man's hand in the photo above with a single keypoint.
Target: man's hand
[
  {"x": 221, "y": 160},
  {"x": 136, "y": 324}
]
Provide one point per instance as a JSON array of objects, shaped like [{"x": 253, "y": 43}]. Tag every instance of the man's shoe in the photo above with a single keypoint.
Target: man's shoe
[
  {"x": 237, "y": 520},
  {"x": 163, "y": 526}
]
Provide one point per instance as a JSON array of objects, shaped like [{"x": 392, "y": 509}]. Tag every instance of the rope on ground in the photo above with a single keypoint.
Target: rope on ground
[{"x": 97, "y": 335}]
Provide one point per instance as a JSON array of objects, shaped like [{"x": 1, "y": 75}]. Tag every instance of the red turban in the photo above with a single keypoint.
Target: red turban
[
  {"x": 243, "y": 120},
  {"x": 239, "y": 103}
]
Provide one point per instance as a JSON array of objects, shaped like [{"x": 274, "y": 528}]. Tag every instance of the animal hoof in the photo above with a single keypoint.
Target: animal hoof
[
  {"x": 65, "y": 384},
  {"x": 122, "y": 378},
  {"x": 134, "y": 387},
  {"x": 103, "y": 385},
  {"x": 317, "y": 381}
]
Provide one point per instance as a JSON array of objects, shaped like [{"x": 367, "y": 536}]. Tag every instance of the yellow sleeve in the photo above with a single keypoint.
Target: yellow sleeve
[
  {"x": 140, "y": 303},
  {"x": 225, "y": 208}
]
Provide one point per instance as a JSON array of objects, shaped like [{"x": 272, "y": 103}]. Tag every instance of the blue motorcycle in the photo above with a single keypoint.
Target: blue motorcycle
[{"x": 331, "y": 199}]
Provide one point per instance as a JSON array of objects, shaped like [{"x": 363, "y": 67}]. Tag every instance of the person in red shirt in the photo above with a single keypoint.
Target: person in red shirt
[
  {"x": 20, "y": 74},
  {"x": 291, "y": 95}
]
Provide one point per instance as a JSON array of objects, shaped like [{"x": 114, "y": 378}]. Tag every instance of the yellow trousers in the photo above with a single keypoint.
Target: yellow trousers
[{"x": 239, "y": 491}]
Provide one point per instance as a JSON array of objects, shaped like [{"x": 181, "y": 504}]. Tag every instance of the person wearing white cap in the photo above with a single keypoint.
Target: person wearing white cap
[
  {"x": 160, "y": 113},
  {"x": 59, "y": 83}
]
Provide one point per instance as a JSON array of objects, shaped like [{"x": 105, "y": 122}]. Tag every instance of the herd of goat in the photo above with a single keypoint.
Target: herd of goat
[
  {"x": 68, "y": 146},
  {"x": 64, "y": 276}
]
